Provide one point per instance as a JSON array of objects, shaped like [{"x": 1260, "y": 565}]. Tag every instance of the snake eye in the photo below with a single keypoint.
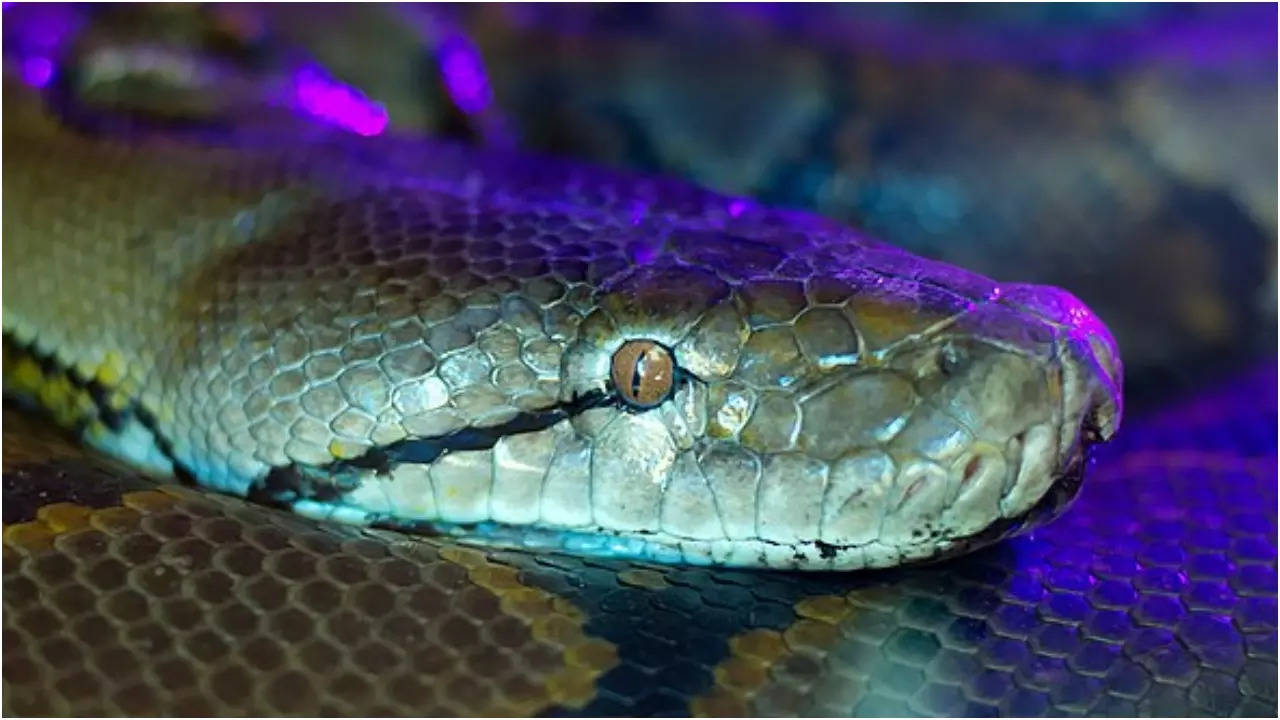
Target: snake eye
[{"x": 643, "y": 372}]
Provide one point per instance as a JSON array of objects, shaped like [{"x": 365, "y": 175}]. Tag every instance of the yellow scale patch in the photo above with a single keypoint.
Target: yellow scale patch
[
  {"x": 67, "y": 401},
  {"x": 551, "y": 619},
  {"x": 58, "y": 518},
  {"x": 751, "y": 655}
]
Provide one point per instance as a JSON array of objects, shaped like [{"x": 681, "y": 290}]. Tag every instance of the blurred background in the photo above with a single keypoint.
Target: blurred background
[{"x": 1124, "y": 152}]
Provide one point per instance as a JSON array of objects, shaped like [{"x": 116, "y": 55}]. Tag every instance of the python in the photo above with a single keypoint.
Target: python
[{"x": 526, "y": 352}]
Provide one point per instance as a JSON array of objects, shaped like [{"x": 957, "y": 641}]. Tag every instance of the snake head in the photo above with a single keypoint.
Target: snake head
[
  {"x": 791, "y": 393},
  {"x": 837, "y": 405}
]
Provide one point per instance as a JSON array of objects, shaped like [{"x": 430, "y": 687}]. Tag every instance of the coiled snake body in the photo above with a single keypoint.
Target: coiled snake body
[{"x": 402, "y": 333}]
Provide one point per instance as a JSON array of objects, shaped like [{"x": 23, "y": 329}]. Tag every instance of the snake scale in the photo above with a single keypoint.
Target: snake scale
[{"x": 518, "y": 352}]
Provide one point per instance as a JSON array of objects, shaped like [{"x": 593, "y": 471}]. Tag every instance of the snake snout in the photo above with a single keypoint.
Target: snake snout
[{"x": 1091, "y": 366}]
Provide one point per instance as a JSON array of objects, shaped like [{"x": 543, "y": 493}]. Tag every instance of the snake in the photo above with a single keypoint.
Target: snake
[
  {"x": 472, "y": 313},
  {"x": 518, "y": 351}
]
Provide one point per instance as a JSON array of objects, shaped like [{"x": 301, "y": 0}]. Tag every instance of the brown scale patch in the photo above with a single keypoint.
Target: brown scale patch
[
  {"x": 643, "y": 578},
  {"x": 177, "y": 602},
  {"x": 883, "y": 319}
]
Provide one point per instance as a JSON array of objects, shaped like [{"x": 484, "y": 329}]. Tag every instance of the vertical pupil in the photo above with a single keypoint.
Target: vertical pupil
[
  {"x": 637, "y": 375},
  {"x": 642, "y": 373}
]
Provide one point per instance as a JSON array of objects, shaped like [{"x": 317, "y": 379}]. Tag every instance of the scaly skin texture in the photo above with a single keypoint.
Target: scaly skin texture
[{"x": 399, "y": 332}]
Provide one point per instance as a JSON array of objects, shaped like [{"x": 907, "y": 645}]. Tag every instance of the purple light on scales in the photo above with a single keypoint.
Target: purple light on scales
[
  {"x": 464, "y": 76},
  {"x": 36, "y": 34},
  {"x": 37, "y": 71},
  {"x": 318, "y": 94}
]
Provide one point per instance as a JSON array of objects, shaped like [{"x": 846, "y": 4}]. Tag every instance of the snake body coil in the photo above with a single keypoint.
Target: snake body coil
[{"x": 407, "y": 333}]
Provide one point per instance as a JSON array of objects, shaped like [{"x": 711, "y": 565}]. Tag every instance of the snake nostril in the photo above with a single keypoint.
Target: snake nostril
[{"x": 972, "y": 469}]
